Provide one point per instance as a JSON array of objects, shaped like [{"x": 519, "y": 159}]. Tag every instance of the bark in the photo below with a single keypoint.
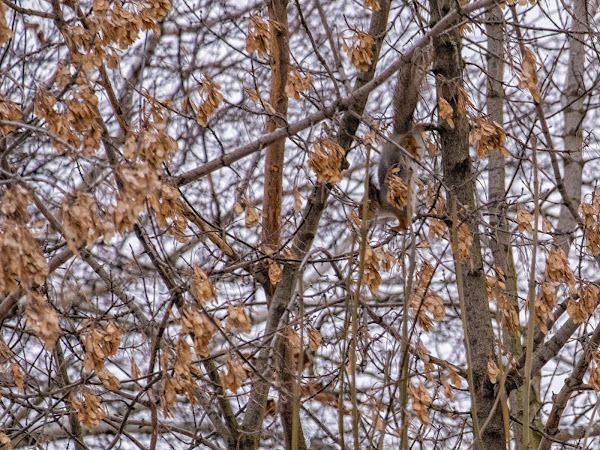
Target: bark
[
  {"x": 499, "y": 231},
  {"x": 288, "y": 400},
  {"x": 459, "y": 179},
  {"x": 574, "y": 115},
  {"x": 280, "y": 67}
]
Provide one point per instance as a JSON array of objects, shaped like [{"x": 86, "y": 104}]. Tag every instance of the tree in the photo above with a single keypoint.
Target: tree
[{"x": 186, "y": 259}]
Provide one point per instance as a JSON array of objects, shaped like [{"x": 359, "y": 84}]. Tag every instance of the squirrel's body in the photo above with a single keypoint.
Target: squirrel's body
[{"x": 396, "y": 159}]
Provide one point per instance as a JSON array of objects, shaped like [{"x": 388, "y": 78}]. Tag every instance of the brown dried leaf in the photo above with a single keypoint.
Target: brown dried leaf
[
  {"x": 487, "y": 136},
  {"x": 464, "y": 100},
  {"x": 251, "y": 217},
  {"x": 109, "y": 381},
  {"x": 275, "y": 274},
  {"x": 203, "y": 329},
  {"x": 359, "y": 48},
  {"x": 14, "y": 204},
  {"x": 314, "y": 339},
  {"x": 211, "y": 99},
  {"x": 546, "y": 225},
  {"x": 234, "y": 375},
  {"x": 435, "y": 304},
  {"x": 100, "y": 343},
  {"x": 545, "y": 304},
  {"x": 326, "y": 160},
  {"x": 528, "y": 78},
  {"x": 5, "y": 31},
  {"x": 420, "y": 402},
  {"x": 21, "y": 258},
  {"x": 524, "y": 220},
  {"x": 89, "y": 410},
  {"x": 42, "y": 320},
  {"x": 17, "y": 377},
  {"x": 258, "y": 37},
  {"x": 557, "y": 267},
  {"x": 297, "y": 83},
  {"x": 238, "y": 318},
  {"x": 167, "y": 205},
  {"x": 297, "y": 200},
  {"x": 445, "y": 111},
  {"x": 492, "y": 370},
  {"x": 202, "y": 288},
  {"x": 4, "y": 439},
  {"x": 9, "y": 110},
  {"x": 371, "y": 275},
  {"x": 594, "y": 369},
  {"x": 454, "y": 377},
  {"x": 135, "y": 370},
  {"x": 397, "y": 194}
]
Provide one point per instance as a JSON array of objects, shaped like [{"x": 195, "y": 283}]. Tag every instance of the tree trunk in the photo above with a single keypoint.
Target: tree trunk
[
  {"x": 458, "y": 176},
  {"x": 573, "y": 126}
]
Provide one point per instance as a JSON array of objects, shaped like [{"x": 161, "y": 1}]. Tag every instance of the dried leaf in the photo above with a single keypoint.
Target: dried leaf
[
  {"x": 371, "y": 275},
  {"x": 487, "y": 136},
  {"x": 359, "y": 48},
  {"x": 275, "y": 274},
  {"x": 211, "y": 99},
  {"x": 528, "y": 78},
  {"x": 326, "y": 161},
  {"x": 109, "y": 381},
  {"x": 238, "y": 318},
  {"x": 251, "y": 217},
  {"x": 314, "y": 339},
  {"x": 202, "y": 288},
  {"x": 296, "y": 83},
  {"x": 524, "y": 220},
  {"x": 200, "y": 325},
  {"x": 258, "y": 37},
  {"x": 42, "y": 319},
  {"x": 297, "y": 200},
  {"x": 234, "y": 375},
  {"x": 17, "y": 377},
  {"x": 492, "y": 370},
  {"x": 420, "y": 402},
  {"x": 397, "y": 194},
  {"x": 445, "y": 111},
  {"x": 4, "y": 439},
  {"x": 557, "y": 267},
  {"x": 89, "y": 411}
]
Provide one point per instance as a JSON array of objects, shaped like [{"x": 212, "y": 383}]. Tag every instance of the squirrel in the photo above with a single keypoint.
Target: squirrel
[
  {"x": 397, "y": 167},
  {"x": 396, "y": 173}
]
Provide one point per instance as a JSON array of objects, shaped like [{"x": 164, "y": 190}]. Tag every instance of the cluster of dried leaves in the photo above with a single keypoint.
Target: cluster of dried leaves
[
  {"x": 423, "y": 298},
  {"x": 487, "y": 136},
  {"x": 359, "y": 48},
  {"x": 326, "y": 160},
  {"x": 507, "y": 313},
  {"x": 528, "y": 78},
  {"x": 420, "y": 402},
  {"x": 398, "y": 192},
  {"x": 591, "y": 219}
]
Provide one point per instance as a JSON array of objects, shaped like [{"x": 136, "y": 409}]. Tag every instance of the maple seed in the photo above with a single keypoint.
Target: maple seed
[
  {"x": 326, "y": 160},
  {"x": 359, "y": 48},
  {"x": 258, "y": 37},
  {"x": 445, "y": 111},
  {"x": 528, "y": 78},
  {"x": 297, "y": 83}
]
